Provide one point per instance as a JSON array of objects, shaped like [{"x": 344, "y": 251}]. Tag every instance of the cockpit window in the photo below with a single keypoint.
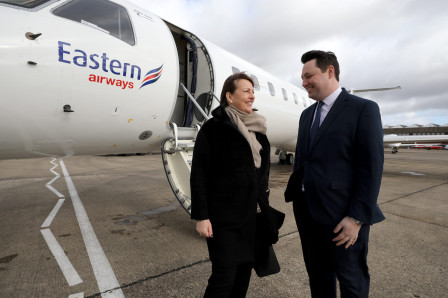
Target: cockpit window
[
  {"x": 103, "y": 15},
  {"x": 25, "y": 3}
]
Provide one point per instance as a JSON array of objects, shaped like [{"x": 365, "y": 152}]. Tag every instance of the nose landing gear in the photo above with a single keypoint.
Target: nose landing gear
[{"x": 285, "y": 158}]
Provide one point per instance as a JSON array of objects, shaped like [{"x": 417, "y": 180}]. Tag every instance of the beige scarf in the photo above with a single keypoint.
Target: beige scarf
[{"x": 248, "y": 125}]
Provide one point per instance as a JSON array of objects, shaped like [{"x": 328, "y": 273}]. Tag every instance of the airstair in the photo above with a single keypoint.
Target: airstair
[{"x": 177, "y": 156}]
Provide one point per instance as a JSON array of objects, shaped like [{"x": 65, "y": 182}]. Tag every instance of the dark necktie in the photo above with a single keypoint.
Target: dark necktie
[{"x": 316, "y": 123}]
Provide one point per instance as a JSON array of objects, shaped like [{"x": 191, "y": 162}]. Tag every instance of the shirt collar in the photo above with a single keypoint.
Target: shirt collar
[{"x": 330, "y": 99}]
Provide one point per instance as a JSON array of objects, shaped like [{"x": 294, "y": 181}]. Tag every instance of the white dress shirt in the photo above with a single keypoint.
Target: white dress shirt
[{"x": 327, "y": 104}]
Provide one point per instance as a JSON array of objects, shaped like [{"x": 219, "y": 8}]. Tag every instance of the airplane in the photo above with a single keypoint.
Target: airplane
[
  {"x": 94, "y": 77},
  {"x": 427, "y": 146},
  {"x": 395, "y": 141}
]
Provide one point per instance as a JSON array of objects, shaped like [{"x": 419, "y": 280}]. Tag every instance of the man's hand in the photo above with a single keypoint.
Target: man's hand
[
  {"x": 348, "y": 232},
  {"x": 204, "y": 228}
]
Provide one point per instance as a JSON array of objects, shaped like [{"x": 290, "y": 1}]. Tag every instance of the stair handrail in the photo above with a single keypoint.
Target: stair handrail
[
  {"x": 216, "y": 97},
  {"x": 174, "y": 126},
  {"x": 195, "y": 102}
]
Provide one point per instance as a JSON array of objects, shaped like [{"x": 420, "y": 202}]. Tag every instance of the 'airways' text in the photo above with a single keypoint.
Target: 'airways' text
[{"x": 109, "y": 81}]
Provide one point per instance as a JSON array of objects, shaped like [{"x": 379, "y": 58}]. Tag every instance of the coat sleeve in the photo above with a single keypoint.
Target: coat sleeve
[
  {"x": 198, "y": 178},
  {"x": 263, "y": 187},
  {"x": 369, "y": 159},
  {"x": 297, "y": 153}
]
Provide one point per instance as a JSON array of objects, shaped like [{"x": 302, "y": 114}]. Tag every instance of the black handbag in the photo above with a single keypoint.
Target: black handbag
[
  {"x": 269, "y": 221},
  {"x": 266, "y": 262}
]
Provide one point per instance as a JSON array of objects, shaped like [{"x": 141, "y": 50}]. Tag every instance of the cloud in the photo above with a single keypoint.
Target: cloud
[{"x": 378, "y": 43}]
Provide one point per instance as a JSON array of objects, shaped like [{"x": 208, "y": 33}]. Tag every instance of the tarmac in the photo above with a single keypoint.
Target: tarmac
[{"x": 118, "y": 230}]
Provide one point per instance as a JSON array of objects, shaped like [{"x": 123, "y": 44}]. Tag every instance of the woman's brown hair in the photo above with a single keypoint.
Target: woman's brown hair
[{"x": 230, "y": 85}]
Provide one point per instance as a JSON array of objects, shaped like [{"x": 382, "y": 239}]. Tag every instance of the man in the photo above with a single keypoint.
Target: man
[{"x": 336, "y": 180}]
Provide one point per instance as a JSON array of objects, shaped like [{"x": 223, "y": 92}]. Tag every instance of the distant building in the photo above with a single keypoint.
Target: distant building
[{"x": 416, "y": 129}]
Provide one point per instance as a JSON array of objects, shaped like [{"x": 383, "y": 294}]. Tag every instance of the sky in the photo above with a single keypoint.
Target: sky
[{"x": 378, "y": 43}]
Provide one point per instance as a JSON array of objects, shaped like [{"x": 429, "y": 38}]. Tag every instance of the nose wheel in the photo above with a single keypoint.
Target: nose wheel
[{"x": 285, "y": 158}]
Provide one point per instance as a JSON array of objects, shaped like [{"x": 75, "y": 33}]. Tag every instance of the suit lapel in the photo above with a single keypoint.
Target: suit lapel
[
  {"x": 307, "y": 121},
  {"x": 332, "y": 115}
]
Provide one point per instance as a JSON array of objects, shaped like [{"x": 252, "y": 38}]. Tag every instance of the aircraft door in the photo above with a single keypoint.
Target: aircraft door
[{"x": 196, "y": 75}]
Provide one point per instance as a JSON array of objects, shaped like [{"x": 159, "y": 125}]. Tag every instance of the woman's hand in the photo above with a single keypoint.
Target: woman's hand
[{"x": 204, "y": 228}]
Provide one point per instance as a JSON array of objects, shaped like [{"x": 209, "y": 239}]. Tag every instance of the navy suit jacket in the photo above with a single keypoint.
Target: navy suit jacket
[{"x": 341, "y": 171}]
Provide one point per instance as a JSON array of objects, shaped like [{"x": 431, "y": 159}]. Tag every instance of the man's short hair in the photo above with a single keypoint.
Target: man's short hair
[{"x": 323, "y": 60}]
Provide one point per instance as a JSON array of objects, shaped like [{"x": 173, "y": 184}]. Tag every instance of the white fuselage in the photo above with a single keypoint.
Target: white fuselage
[
  {"x": 100, "y": 77},
  {"x": 77, "y": 80}
]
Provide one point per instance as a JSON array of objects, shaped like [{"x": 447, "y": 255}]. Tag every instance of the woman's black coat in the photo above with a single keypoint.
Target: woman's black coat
[{"x": 225, "y": 187}]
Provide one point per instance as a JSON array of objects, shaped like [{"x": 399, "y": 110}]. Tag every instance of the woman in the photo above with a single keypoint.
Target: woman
[{"x": 229, "y": 173}]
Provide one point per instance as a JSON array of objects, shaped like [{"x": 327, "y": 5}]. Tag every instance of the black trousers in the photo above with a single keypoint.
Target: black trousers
[
  {"x": 325, "y": 261},
  {"x": 228, "y": 281}
]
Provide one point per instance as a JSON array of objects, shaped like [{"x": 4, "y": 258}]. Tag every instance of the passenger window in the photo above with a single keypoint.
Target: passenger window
[
  {"x": 235, "y": 70},
  {"x": 296, "y": 100},
  {"x": 285, "y": 95},
  {"x": 256, "y": 83},
  {"x": 103, "y": 15},
  {"x": 271, "y": 89},
  {"x": 304, "y": 102}
]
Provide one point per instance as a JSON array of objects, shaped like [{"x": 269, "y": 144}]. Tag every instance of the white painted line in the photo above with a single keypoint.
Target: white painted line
[
  {"x": 55, "y": 166},
  {"x": 52, "y": 214},
  {"x": 112, "y": 294},
  {"x": 77, "y": 295},
  {"x": 413, "y": 173},
  {"x": 104, "y": 274},
  {"x": 55, "y": 191},
  {"x": 67, "y": 268},
  {"x": 52, "y": 180},
  {"x": 55, "y": 173},
  {"x": 53, "y": 161},
  {"x": 48, "y": 185}
]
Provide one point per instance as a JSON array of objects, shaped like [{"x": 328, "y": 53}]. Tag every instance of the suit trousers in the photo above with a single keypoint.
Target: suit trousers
[
  {"x": 325, "y": 261},
  {"x": 228, "y": 281}
]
